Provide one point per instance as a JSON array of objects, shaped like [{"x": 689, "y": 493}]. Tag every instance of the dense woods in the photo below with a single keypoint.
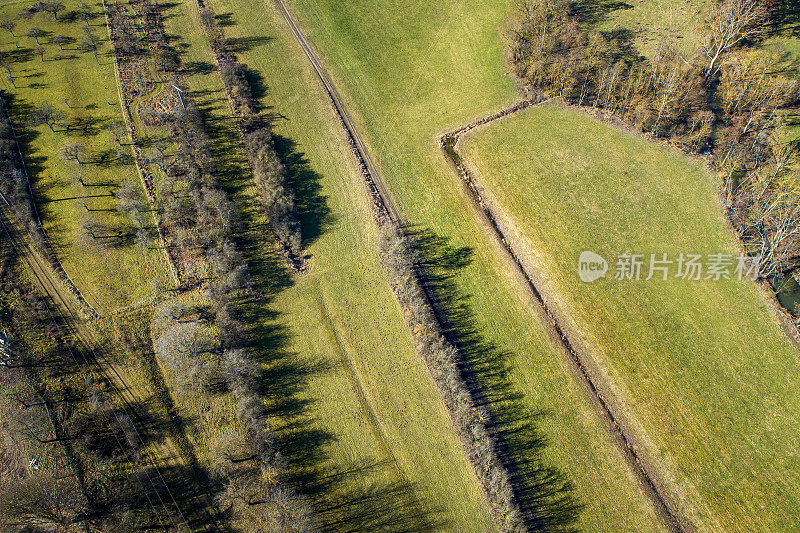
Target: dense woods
[
  {"x": 732, "y": 102},
  {"x": 554, "y": 52}
]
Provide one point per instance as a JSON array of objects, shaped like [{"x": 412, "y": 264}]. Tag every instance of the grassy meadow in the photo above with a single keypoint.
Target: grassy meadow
[
  {"x": 703, "y": 365},
  {"x": 410, "y": 73},
  {"x": 111, "y": 272}
]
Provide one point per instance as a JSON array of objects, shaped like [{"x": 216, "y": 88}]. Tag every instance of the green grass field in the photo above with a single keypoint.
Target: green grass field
[
  {"x": 410, "y": 73},
  {"x": 84, "y": 89},
  {"x": 704, "y": 365},
  {"x": 371, "y": 429}
]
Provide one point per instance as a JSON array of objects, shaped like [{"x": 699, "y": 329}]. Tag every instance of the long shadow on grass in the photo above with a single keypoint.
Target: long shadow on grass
[
  {"x": 346, "y": 497},
  {"x": 595, "y": 11},
  {"x": 315, "y": 215},
  {"x": 187, "y": 486},
  {"x": 544, "y": 493},
  {"x": 140, "y": 349},
  {"x": 785, "y": 17}
]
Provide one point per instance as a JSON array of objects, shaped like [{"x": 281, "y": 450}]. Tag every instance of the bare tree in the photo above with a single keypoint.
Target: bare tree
[
  {"x": 39, "y": 51},
  {"x": 74, "y": 152},
  {"x": 190, "y": 349},
  {"x": 53, "y": 8},
  {"x": 60, "y": 40},
  {"x": 43, "y": 502},
  {"x": 730, "y": 23},
  {"x": 86, "y": 11},
  {"x": 89, "y": 42},
  {"x": 47, "y": 114},
  {"x": 8, "y": 25},
  {"x": 116, "y": 129},
  {"x": 35, "y": 33}
]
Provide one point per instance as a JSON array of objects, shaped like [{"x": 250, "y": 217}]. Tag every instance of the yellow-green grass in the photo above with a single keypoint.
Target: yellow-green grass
[
  {"x": 649, "y": 23},
  {"x": 83, "y": 88},
  {"x": 368, "y": 390},
  {"x": 410, "y": 72},
  {"x": 704, "y": 365}
]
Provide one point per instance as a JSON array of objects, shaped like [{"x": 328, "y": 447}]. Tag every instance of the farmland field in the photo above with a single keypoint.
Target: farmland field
[
  {"x": 410, "y": 73},
  {"x": 342, "y": 283},
  {"x": 113, "y": 270},
  {"x": 704, "y": 364}
]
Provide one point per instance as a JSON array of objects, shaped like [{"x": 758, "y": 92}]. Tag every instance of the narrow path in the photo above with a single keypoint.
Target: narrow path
[{"x": 621, "y": 433}]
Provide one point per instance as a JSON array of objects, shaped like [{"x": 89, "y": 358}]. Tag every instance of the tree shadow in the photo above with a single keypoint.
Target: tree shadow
[
  {"x": 19, "y": 55},
  {"x": 255, "y": 80},
  {"x": 785, "y": 17},
  {"x": 173, "y": 425},
  {"x": 545, "y": 494},
  {"x": 245, "y": 44},
  {"x": 593, "y": 12},
  {"x": 19, "y": 108},
  {"x": 225, "y": 20},
  {"x": 198, "y": 67},
  {"x": 374, "y": 507},
  {"x": 305, "y": 181}
]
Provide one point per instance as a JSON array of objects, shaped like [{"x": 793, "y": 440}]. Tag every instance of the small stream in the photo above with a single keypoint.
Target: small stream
[{"x": 787, "y": 290}]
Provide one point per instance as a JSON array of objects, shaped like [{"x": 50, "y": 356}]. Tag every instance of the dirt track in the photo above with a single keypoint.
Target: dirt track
[{"x": 621, "y": 432}]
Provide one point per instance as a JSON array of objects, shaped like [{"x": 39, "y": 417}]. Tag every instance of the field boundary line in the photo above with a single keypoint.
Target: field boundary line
[{"x": 621, "y": 430}]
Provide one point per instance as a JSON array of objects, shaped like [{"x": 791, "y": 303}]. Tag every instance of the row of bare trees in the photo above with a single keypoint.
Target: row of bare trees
[
  {"x": 269, "y": 174},
  {"x": 398, "y": 257},
  {"x": 206, "y": 348},
  {"x": 208, "y": 363},
  {"x": 757, "y": 89}
]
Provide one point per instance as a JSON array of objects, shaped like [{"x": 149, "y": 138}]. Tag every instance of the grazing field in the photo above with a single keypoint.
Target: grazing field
[
  {"x": 360, "y": 421},
  {"x": 75, "y": 199},
  {"x": 408, "y": 74},
  {"x": 704, "y": 365}
]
